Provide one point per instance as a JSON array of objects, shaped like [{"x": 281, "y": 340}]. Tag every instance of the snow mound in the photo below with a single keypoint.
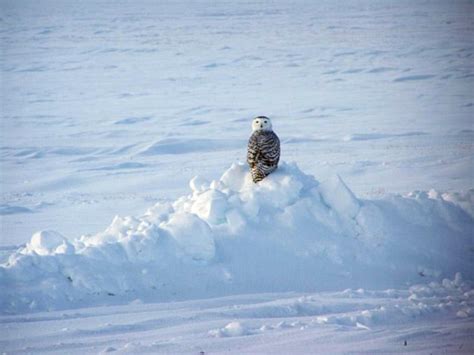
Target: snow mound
[
  {"x": 49, "y": 243},
  {"x": 233, "y": 329},
  {"x": 287, "y": 233}
]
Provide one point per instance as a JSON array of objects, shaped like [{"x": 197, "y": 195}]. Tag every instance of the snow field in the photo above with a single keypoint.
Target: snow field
[
  {"x": 106, "y": 111},
  {"x": 359, "y": 308},
  {"x": 424, "y": 317},
  {"x": 287, "y": 233},
  {"x": 111, "y": 110}
]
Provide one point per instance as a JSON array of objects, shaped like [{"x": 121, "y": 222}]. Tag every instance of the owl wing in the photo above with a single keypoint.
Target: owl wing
[
  {"x": 269, "y": 149},
  {"x": 252, "y": 150}
]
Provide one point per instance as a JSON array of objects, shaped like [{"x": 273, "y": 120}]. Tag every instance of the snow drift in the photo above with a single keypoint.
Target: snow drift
[{"x": 287, "y": 233}]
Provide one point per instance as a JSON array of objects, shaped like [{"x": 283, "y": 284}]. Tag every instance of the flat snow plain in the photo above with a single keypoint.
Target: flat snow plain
[{"x": 111, "y": 109}]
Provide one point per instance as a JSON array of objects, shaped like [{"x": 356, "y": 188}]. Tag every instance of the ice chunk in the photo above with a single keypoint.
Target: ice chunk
[
  {"x": 235, "y": 220},
  {"x": 279, "y": 190},
  {"x": 159, "y": 212},
  {"x": 465, "y": 200},
  {"x": 120, "y": 228},
  {"x": 48, "y": 242},
  {"x": 192, "y": 234},
  {"x": 338, "y": 196},
  {"x": 198, "y": 183},
  {"x": 210, "y": 206},
  {"x": 233, "y": 329},
  {"x": 236, "y": 177}
]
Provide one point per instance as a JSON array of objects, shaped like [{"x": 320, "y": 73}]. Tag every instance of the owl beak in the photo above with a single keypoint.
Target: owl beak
[{"x": 261, "y": 126}]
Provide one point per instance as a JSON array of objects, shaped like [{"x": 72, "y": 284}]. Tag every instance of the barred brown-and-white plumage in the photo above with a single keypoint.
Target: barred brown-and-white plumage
[{"x": 263, "y": 151}]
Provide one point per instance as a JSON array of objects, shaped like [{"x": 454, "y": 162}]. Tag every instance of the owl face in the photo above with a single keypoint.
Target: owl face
[{"x": 261, "y": 123}]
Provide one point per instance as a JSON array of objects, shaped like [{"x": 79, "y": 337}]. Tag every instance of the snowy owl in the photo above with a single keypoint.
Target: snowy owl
[{"x": 263, "y": 151}]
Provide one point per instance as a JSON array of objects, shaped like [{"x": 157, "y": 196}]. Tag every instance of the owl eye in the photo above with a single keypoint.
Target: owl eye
[
  {"x": 265, "y": 121},
  {"x": 257, "y": 121}
]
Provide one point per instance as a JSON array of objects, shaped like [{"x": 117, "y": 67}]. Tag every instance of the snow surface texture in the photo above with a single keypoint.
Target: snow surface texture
[
  {"x": 430, "y": 318},
  {"x": 106, "y": 110},
  {"x": 287, "y": 233}
]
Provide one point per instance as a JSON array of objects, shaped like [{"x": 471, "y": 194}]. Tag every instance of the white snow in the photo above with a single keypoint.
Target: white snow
[
  {"x": 287, "y": 233},
  {"x": 425, "y": 318},
  {"x": 48, "y": 243},
  {"x": 233, "y": 329},
  {"x": 106, "y": 110},
  {"x": 192, "y": 234},
  {"x": 142, "y": 111}
]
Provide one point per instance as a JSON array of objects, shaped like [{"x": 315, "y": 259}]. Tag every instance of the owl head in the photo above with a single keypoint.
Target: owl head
[{"x": 261, "y": 123}]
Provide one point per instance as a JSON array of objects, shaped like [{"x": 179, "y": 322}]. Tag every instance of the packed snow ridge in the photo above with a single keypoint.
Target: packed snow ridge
[{"x": 286, "y": 233}]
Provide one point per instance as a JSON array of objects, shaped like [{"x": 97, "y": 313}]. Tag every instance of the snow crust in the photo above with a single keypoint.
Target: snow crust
[
  {"x": 108, "y": 109},
  {"x": 287, "y": 233},
  {"x": 49, "y": 243},
  {"x": 421, "y": 319}
]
